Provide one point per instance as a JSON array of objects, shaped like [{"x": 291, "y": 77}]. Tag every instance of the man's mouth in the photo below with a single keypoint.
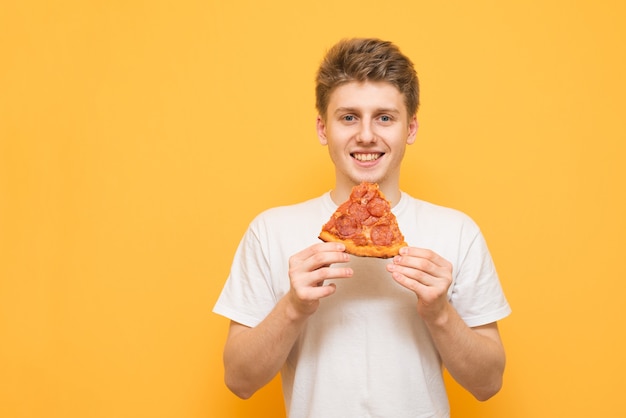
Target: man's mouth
[{"x": 367, "y": 156}]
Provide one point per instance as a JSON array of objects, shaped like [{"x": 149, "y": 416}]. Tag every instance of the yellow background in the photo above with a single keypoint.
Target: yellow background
[{"x": 139, "y": 138}]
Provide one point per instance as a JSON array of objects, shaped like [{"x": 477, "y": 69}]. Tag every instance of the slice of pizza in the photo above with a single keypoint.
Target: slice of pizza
[{"x": 365, "y": 225}]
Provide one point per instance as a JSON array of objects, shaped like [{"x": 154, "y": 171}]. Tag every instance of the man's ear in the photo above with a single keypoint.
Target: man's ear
[
  {"x": 413, "y": 125},
  {"x": 321, "y": 130}
]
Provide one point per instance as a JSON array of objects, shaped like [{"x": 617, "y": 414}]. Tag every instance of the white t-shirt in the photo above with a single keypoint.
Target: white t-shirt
[{"x": 365, "y": 352}]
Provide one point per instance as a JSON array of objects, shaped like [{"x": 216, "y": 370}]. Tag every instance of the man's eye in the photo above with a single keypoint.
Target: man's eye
[
  {"x": 385, "y": 118},
  {"x": 348, "y": 118}
]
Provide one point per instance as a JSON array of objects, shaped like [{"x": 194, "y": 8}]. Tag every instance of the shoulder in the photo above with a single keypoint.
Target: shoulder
[
  {"x": 433, "y": 213},
  {"x": 295, "y": 216},
  {"x": 428, "y": 225},
  {"x": 281, "y": 230},
  {"x": 297, "y": 210}
]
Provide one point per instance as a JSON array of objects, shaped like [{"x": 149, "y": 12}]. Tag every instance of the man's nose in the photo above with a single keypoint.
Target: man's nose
[{"x": 366, "y": 133}]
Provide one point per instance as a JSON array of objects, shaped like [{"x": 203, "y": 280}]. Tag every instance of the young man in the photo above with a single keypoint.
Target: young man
[{"x": 354, "y": 336}]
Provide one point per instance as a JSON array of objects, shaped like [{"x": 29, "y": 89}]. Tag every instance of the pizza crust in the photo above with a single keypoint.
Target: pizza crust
[{"x": 364, "y": 250}]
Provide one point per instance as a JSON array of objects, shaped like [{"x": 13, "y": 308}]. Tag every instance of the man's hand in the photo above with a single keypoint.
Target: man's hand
[
  {"x": 473, "y": 356},
  {"x": 307, "y": 271},
  {"x": 428, "y": 275}
]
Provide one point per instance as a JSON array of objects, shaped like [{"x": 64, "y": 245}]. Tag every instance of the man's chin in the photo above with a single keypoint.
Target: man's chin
[{"x": 370, "y": 178}]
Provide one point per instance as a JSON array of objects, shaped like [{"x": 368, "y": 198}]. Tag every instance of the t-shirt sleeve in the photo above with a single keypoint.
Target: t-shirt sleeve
[
  {"x": 247, "y": 296},
  {"x": 477, "y": 293}
]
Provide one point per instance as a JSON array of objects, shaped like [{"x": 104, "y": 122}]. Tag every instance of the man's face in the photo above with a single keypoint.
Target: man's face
[{"x": 367, "y": 129}]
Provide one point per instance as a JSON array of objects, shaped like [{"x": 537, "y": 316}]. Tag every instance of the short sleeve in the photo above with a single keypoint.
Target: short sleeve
[
  {"x": 247, "y": 296},
  {"x": 477, "y": 294}
]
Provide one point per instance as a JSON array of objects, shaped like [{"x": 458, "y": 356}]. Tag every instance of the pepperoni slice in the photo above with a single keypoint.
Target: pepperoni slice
[
  {"x": 377, "y": 207},
  {"x": 363, "y": 193},
  {"x": 382, "y": 235},
  {"x": 346, "y": 226},
  {"x": 359, "y": 191},
  {"x": 359, "y": 212}
]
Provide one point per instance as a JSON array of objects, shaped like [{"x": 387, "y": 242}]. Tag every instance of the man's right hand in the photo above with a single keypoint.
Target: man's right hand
[{"x": 308, "y": 270}]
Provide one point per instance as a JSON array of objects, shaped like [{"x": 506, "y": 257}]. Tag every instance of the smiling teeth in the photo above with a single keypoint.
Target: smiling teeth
[{"x": 366, "y": 157}]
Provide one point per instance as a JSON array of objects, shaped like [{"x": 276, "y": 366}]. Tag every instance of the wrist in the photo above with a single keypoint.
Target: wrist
[
  {"x": 439, "y": 318},
  {"x": 295, "y": 311}
]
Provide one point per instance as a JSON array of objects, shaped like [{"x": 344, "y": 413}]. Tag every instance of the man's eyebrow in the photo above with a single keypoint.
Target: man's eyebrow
[
  {"x": 356, "y": 110},
  {"x": 388, "y": 110},
  {"x": 345, "y": 109}
]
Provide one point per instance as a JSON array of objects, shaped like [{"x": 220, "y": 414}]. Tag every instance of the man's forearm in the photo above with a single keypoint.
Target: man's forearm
[
  {"x": 474, "y": 357},
  {"x": 253, "y": 356}
]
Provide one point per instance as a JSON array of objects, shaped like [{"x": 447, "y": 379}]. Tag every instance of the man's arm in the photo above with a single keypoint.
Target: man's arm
[
  {"x": 253, "y": 356},
  {"x": 474, "y": 356}
]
